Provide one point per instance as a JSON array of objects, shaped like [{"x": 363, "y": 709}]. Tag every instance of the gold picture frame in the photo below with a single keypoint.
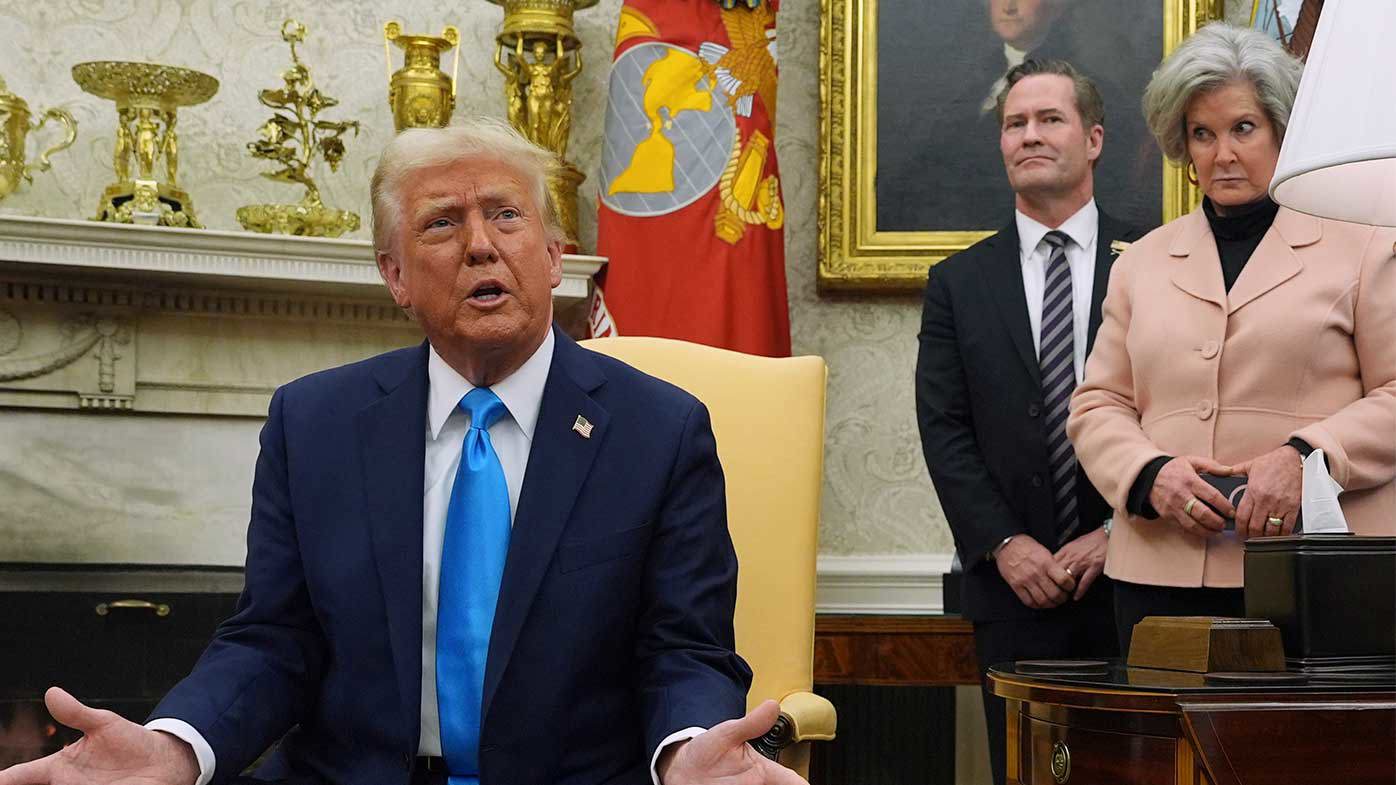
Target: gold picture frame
[{"x": 854, "y": 255}]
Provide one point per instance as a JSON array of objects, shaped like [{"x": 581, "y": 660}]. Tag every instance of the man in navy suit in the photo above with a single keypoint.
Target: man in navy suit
[{"x": 609, "y": 654}]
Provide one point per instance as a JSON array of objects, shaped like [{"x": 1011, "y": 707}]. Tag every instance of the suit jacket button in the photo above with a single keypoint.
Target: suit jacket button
[
  {"x": 1210, "y": 349},
  {"x": 1037, "y": 481},
  {"x": 1034, "y": 410},
  {"x": 1204, "y": 409}
]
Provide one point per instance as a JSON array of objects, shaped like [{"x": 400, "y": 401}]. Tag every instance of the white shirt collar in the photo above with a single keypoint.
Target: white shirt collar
[
  {"x": 1013, "y": 55},
  {"x": 521, "y": 391},
  {"x": 1080, "y": 227}
]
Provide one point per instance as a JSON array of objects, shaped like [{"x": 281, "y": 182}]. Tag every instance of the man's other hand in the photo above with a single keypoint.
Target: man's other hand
[
  {"x": 1032, "y": 573},
  {"x": 722, "y": 755},
  {"x": 1084, "y": 558},
  {"x": 112, "y": 751}
]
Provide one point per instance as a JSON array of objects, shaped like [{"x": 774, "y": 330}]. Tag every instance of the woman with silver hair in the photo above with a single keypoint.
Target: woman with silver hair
[{"x": 1236, "y": 340}]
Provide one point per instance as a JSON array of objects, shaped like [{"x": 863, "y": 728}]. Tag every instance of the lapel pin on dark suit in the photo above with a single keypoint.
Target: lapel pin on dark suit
[
  {"x": 1118, "y": 247},
  {"x": 583, "y": 426}
]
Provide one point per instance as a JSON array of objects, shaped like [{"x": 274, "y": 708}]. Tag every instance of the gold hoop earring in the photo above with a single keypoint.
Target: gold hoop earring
[{"x": 1192, "y": 174}]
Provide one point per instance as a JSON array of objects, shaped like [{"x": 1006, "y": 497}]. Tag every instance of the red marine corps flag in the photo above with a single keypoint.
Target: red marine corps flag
[{"x": 691, "y": 213}]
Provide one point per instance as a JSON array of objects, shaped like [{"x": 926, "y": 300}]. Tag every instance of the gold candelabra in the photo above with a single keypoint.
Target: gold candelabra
[
  {"x": 292, "y": 138},
  {"x": 540, "y": 56}
]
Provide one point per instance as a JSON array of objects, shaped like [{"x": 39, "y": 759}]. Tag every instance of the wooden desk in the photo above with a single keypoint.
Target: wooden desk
[{"x": 1136, "y": 727}]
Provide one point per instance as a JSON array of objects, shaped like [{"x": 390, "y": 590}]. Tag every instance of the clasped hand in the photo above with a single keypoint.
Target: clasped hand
[
  {"x": 1273, "y": 485},
  {"x": 1043, "y": 579}
]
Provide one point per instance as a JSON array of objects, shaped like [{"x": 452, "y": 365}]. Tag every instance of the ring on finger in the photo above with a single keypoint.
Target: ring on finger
[
  {"x": 1187, "y": 508},
  {"x": 1069, "y": 572},
  {"x": 1275, "y": 522}
]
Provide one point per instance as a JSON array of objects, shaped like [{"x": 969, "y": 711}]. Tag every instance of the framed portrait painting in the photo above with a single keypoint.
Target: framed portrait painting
[{"x": 910, "y": 170}]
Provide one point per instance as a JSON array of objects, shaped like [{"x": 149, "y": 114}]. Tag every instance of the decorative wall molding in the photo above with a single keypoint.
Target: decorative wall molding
[
  {"x": 368, "y": 306},
  {"x": 881, "y": 585},
  {"x": 220, "y": 259}
]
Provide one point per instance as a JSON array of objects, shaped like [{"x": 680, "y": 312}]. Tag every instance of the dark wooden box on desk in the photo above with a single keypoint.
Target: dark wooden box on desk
[
  {"x": 1138, "y": 726},
  {"x": 1332, "y": 596},
  {"x": 116, "y": 636}
]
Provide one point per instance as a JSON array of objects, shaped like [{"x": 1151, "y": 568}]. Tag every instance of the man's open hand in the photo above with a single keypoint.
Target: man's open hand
[
  {"x": 112, "y": 751},
  {"x": 722, "y": 755}
]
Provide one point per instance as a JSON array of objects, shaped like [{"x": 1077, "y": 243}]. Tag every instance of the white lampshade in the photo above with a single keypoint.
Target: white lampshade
[{"x": 1339, "y": 154}]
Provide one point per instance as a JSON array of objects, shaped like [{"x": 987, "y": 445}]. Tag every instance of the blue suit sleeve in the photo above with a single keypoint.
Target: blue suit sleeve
[
  {"x": 689, "y": 672},
  {"x": 257, "y": 677}
]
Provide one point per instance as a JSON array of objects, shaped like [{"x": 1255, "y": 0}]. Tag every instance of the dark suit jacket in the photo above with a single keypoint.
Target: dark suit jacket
[
  {"x": 979, "y": 407},
  {"x": 614, "y": 622}
]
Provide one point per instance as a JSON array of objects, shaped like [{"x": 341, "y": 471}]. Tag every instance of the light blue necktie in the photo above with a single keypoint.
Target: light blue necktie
[{"x": 472, "y": 563}]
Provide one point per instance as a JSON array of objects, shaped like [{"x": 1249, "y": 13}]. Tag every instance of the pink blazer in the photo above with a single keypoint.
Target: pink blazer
[{"x": 1303, "y": 345}]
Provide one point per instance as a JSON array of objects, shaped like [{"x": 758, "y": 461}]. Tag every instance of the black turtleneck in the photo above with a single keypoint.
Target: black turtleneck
[{"x": 1238, "y": 233}]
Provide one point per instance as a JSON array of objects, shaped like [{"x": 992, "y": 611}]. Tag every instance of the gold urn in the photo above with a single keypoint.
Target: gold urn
[
  {"x": 15, "y": 126},
  {"x": 419, "y": 93}
]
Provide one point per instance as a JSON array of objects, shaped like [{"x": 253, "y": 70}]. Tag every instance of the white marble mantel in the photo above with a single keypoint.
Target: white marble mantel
[
  {"x": 149, "y": 319},
  {"x": 136, "y": 365},
  {"x": 221, "y": 259}
]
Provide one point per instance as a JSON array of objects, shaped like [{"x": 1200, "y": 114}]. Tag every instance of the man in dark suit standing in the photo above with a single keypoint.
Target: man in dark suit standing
[
  {"x": 1005, "y": 331},
  {"x": 495, "y": 557}
]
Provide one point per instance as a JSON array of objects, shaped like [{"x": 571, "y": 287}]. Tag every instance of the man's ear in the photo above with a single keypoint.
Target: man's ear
[
  {"x": 1095, "y": 142},
  {"x": 391, "y": 269},
  {"x": 555, "y": 262}
]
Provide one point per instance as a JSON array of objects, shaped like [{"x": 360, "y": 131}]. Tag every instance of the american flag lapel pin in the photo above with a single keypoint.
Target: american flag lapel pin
[{"x": 583, "y": 426}]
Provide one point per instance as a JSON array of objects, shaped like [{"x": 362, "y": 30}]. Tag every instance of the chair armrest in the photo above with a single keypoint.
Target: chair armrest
[
  {"x": 804, "y": 716},
  {"x": 812, "y": 717}
]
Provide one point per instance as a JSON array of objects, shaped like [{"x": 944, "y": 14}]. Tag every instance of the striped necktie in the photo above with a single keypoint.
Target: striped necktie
[{"x": 1056, "y": 357}]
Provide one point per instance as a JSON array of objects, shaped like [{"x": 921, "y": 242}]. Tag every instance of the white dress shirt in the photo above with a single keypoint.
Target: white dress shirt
[
  {"x": 1082, "y": 228},
  {"x": 512, "y": 438}
]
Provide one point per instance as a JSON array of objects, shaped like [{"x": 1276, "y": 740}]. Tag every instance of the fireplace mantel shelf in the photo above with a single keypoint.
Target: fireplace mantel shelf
[{"x": 211, "y": 258}]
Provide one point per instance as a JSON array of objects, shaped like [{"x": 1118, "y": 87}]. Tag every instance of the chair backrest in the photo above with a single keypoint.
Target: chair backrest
[{"x": 768, "y": 417}]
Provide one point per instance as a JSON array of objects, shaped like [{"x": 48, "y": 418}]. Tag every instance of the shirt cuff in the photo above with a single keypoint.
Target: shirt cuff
[
  {"x": 202, "y": 752},
  {"x": 672, "y": 738},
  {"x": 1137, "y": 503}
]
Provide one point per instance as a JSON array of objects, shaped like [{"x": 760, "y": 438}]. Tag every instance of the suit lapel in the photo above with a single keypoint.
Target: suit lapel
[
  {"x": 1108, "y": 231},
  {"x": 392, "y": 438},
  {"x": 1198, "y": 270},
  {"x": 1274, "y": 260},
  {"x": 558, "y": 463},
  {"x": 1004, "y": 280}
]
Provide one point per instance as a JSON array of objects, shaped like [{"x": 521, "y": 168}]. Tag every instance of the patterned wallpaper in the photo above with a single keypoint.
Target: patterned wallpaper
[{"x": 877, "y": 497}]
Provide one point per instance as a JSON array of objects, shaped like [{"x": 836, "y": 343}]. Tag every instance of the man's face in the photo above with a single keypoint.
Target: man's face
[
  {"x": 1046, "y": 148},
  {"x": 1023, "y": 23},
  {"x": 472, "y": 261}
]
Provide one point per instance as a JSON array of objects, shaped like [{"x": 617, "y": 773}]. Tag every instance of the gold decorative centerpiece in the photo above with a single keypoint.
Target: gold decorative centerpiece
[
  {"x": 292, "y": 138},
  {"x": 540, "y": 55},
  {"x": 14, "y": 129},
  {"x": 421, "y": 96},
  {"x": 147, "y": 96}
]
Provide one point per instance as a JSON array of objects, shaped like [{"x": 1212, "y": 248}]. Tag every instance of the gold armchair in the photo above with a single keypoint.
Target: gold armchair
[{"x": 768, "y": 417}]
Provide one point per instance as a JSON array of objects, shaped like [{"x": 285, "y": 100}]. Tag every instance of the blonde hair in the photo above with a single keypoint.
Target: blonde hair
[
  {"x": 421, "y": 148},
  {"x": 1214, "y": 56}
]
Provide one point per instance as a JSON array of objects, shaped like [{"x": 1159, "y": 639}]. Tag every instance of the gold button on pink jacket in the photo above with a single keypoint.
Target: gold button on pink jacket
[{"x": 1303, "y": 345}]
